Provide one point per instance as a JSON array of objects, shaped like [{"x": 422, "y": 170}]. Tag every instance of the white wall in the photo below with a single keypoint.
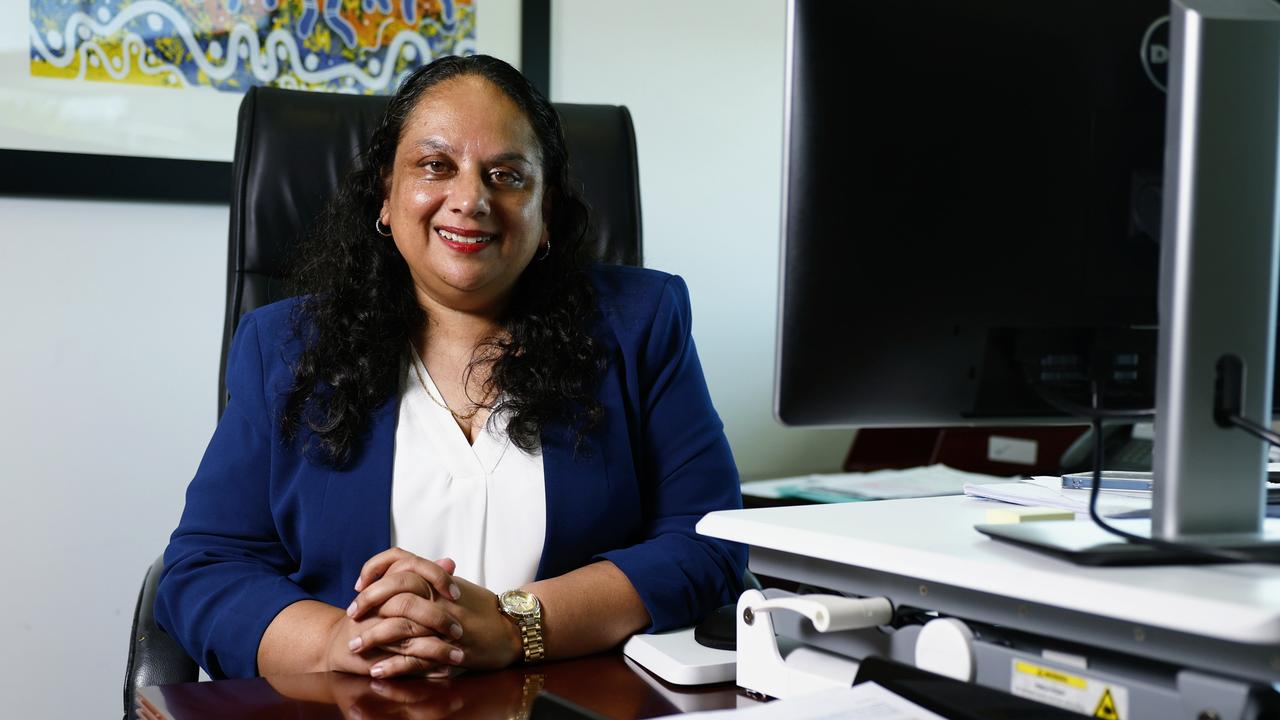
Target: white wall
[
  {"x": 703, "y": 82},
  {"x": 111, "y": 333},
  {"x": 113, "y": 317}
]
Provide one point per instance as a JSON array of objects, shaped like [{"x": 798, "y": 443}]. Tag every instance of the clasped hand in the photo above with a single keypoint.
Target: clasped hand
[{"x": 414, "y": 617}]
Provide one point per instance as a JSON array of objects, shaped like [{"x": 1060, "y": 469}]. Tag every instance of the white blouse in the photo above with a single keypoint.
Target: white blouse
[{"x": 484, "y": 505}]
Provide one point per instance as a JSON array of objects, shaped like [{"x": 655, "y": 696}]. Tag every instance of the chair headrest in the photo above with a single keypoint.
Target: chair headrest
[{"x": 293, "y": 149}]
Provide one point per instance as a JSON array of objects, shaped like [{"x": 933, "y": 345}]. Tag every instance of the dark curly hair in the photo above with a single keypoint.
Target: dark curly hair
[{"x": 359, "y": 312}]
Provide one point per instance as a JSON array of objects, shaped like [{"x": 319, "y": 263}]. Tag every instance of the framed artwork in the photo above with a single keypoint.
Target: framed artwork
[{"x": 137, "y": 99}]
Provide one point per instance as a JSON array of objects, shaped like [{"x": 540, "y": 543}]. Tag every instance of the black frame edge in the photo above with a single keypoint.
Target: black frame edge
[
  {"x": 115, "y": 177},
  {"x": 535, "y": 43}
]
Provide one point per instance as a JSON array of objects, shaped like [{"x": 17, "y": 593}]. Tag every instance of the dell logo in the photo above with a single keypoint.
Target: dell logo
[{"x": 1155, "y": 52}]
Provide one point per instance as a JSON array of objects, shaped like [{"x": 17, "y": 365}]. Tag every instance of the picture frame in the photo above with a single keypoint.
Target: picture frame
[{"x": 86, "y": 171}]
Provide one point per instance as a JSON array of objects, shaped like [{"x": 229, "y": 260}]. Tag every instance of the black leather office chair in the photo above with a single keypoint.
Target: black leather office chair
[{"x": 292, "y": 149}]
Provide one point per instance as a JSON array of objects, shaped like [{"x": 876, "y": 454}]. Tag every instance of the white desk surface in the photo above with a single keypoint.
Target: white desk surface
[{"x": 933, "y": 539}]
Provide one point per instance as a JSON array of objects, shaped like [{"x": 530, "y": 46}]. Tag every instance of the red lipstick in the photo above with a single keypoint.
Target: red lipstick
[{"x": 463, "y": 240}]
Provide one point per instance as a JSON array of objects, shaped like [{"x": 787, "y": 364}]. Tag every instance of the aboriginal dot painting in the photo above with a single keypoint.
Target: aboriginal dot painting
[{"x": 357, "y": 46}]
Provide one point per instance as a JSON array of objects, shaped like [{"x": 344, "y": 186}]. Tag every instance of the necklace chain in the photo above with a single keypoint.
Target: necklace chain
[{"x": 440, "y": 401}]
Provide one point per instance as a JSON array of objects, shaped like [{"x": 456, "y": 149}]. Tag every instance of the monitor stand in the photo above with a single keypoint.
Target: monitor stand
[
  {"x": 1084, "y": 543},
  {"x": 1219, "y": 250}
]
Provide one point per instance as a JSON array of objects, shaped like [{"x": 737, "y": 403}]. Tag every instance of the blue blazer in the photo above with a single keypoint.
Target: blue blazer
[{"x": 265, "y": 527}]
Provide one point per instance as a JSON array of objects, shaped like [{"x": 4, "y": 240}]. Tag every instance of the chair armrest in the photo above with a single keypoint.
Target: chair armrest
[{"x": 154, "y": 657}]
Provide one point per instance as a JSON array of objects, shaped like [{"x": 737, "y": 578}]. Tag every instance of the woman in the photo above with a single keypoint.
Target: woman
[{"x": 456, "y": 386}]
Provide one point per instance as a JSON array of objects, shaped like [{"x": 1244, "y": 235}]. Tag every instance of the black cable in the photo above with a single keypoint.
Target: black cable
[
  {"x": 1212, "y": 553},
  {"x": 1253, "y": 428},
  {"x": 1070, "y": 407},
  {"x": 1096, "y": 414},
  {"x": 1228, "y": 400}
]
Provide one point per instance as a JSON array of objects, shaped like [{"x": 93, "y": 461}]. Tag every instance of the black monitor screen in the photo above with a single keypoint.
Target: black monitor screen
[{"x": 971, "y": 208}]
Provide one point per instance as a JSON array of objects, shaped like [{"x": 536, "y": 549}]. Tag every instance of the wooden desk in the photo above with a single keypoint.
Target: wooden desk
[{"x": 608, "y": 684}]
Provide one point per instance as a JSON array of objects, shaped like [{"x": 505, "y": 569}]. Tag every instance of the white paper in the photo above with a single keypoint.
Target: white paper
[
  {"x": 867, "y": 701},
  {"x": 1048, "y": 492},
  {"x": 928, "y": 481}
]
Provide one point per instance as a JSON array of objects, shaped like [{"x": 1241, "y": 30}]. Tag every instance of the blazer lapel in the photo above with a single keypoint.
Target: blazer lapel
[
  {"x": 577, "y": 488},
  {"x": 357, "y": 511}
]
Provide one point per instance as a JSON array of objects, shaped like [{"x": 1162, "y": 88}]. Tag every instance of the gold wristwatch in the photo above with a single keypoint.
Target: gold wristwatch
[{"x": 525, "y": 611}]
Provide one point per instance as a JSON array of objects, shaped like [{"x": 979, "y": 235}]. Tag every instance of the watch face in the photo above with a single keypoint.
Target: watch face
[{"x": 519, "y": 602}]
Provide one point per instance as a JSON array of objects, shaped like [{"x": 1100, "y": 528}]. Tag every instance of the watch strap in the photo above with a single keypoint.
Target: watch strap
[{"x": 531, "y": 638}]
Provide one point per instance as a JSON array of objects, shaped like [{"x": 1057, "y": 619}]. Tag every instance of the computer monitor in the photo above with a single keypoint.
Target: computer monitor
[
  {"x": 970, "y": 205},
  {"x": 974, "y": 196}
]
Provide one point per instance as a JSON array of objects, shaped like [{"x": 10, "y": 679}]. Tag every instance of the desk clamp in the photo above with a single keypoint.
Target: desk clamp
[{"x": 761, "y": 667}]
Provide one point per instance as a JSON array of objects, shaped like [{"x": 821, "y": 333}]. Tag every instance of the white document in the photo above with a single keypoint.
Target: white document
[
  {"x": 867, "y": 701},
  {"x": 928, "y": 481},
  {"x": 1048, "y": 492}
]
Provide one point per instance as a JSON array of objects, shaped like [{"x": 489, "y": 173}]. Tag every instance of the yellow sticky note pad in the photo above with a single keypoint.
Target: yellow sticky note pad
[{"x": 1018, "y": 514}]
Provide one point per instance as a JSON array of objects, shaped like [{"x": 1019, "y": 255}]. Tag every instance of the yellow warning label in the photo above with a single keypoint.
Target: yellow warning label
[
  {"x": 1049, "y": 674},
  {"x": 1068, "y": 689},
  {"x": 1106, "y": 707}
]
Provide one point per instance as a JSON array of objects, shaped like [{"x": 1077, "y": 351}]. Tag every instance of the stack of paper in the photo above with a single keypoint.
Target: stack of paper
[
  {"x": 1048, "y": 492},
  {"x": 878, "y": 485}
]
